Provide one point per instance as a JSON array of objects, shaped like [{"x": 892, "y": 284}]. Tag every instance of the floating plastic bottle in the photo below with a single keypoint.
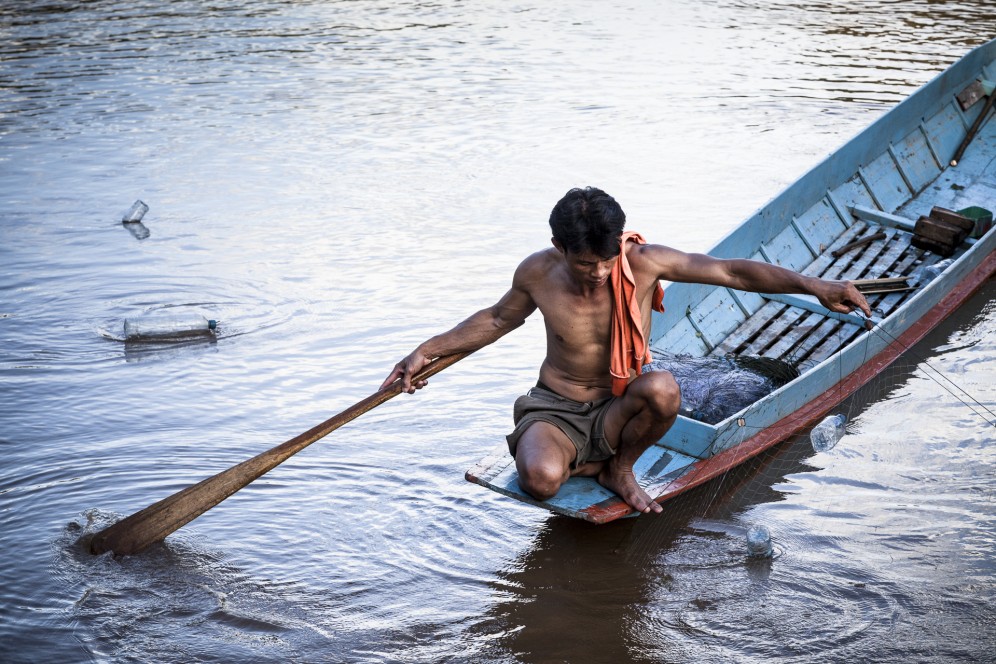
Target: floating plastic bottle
[
  {"x": 135, "y": 213},
  {"x": 759, "y": 542},
  {"x": 827, "y": 433},
  {"x": 928, "y": 273},
  {"x": 160, "y": 325}
]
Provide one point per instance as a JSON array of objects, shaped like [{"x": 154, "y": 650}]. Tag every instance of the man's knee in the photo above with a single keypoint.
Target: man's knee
[
  {"x": 660, "y": 392},
  {"x": 543, "y": 458},
  {"x": 540, "y": 480}
]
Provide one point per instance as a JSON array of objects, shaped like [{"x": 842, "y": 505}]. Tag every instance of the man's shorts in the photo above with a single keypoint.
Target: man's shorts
[{"x": 582, "y": 422}]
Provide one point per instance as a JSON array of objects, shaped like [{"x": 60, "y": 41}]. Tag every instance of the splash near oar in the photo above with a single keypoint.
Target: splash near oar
[{"x": 136, "y": 532}]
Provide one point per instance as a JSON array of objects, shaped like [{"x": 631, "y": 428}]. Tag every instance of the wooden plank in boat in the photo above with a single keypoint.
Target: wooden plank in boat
[
  {"x": 751, "y": 328},
  {"x": 887, "y": 303},
  {"x": 682, "y": 338},
  {"x": 789, "y": 335},
  {"x": 853, "y": 264},
  {"x": 801, "y": 352},
  {"x": 820, "y": 225},
  {"x": 883, "y": 305},
  {"x": 835, "y": 342},
  {"x": 774, "y": 331},
  {"x": 654, "y": 470},
  {"x": 857, "y": 265},
  {"x": 881, "y": 264},
  {"x": 885, "y": 182},
  {"x": 716, "y": 316},
  {"x": 944, "y": 131},
  {"x": 916, "y": 160},
  {"x": 825, "y": 259},
  {"x": 884, "y": 264},
  {"x": 788, "y": 250},
  {"x": 783, "y": 348},
  {"x": 853, "y": 192},
  {"x": 878, "y": 259}
]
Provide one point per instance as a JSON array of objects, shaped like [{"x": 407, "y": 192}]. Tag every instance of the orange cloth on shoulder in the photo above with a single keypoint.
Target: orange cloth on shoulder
[{"x": 630, "y": 350}]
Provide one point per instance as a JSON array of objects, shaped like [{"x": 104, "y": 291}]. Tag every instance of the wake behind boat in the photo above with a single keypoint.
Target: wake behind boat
[{"x": 877, "y": 211}]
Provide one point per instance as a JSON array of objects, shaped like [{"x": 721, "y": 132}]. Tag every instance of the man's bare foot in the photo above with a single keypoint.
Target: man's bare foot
[
  {"x": 588, "y": 469},
  {"x": 623, "y": 482}
]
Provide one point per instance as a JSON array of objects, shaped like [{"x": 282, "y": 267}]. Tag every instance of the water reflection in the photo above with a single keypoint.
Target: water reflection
[
  {"x": 145, "y": 351},
  {"x": 580, "y": 588},
  {"x": 138, "y": 230}
]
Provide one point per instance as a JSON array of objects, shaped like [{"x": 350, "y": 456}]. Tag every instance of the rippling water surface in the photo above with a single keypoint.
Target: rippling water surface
[{"x": 335, "y": 181}]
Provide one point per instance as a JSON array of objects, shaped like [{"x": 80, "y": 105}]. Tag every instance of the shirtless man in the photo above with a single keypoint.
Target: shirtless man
[{"x": 571, "y": 424}]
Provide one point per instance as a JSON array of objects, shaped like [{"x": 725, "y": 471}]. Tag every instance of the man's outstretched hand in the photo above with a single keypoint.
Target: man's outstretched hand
[{"x": 843, "y": 297}]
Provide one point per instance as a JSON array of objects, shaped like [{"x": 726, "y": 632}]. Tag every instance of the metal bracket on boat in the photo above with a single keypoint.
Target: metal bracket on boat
[
  {"x": 810, "y": 303},
  {"x": 979, "y": 89}
]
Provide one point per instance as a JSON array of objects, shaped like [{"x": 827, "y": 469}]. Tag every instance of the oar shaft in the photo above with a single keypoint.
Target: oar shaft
[
  {"x": 133, "y": 534},
  {"x": 974, "y": 129}
]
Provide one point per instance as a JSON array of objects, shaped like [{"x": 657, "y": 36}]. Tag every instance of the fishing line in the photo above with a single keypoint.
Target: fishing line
[{"x": 923, "y": 360}]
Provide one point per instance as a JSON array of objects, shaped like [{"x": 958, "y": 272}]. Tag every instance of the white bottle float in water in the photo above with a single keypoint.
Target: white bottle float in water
[
  {"x": 135, "y": 213},
  {"x": 827, "y": 433},
  {"x": 164, "y": 326},
  {"x": 759, "y": 542}
]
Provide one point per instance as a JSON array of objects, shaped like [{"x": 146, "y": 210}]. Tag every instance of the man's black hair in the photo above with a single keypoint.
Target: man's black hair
[{"x": 588, "y": 220}]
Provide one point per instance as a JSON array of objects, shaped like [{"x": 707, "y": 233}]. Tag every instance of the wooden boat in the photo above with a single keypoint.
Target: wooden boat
[{"x": 883, "y": 180}]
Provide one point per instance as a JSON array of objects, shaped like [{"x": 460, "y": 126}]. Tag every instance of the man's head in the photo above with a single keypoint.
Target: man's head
[{"x": 587, "y": 221}]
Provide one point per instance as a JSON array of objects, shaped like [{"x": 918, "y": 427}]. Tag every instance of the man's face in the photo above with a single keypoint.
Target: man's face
[{"x": 589, "y": 269}]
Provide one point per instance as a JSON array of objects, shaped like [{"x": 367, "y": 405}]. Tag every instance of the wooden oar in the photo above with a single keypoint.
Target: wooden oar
[
  {"x": 974, "y": 129},
  {"x": 134, "y": 533}
]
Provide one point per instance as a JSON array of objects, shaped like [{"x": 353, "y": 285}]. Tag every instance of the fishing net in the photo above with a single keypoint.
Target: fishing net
[{"x": 713, "y": 388}]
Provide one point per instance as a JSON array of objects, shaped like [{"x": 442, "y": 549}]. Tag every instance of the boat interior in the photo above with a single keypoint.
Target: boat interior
[{"x": 876, "y": 208}]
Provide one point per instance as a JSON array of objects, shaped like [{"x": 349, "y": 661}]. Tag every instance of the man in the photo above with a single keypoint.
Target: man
[{"x": 573, "y": 422}]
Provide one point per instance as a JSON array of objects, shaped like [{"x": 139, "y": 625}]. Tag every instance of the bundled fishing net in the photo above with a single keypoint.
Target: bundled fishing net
[{"x": 713, "y": 388}]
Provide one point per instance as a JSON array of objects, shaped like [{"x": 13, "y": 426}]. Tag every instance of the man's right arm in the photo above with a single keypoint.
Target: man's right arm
[{"x": 482, "y": 328}]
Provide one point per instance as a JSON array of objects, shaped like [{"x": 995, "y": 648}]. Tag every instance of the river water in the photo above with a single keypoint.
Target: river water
[{"x": 336, "y": 181}]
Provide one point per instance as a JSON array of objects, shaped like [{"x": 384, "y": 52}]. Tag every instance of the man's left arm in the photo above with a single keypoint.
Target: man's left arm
[{"x": 756, "y": 276}]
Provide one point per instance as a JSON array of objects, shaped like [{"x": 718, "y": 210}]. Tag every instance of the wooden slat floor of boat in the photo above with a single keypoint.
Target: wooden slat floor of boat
[
  {"x": 779, "y": 330},
  {"x": 744, "y": 340},
  {"x": 738, "y": 340},
  {"x": 870, "y": 261},
  {"x": 883, "y": 260},
  {"x": 904, "y": 263}
]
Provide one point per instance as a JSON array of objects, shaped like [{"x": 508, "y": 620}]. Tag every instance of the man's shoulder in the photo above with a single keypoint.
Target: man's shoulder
[
  {"x": 647, "y": 251},
  {"x": 540, "y": 261},
  {"x": 536, "y": 269},
  {"x": 652, "y": 261}
]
